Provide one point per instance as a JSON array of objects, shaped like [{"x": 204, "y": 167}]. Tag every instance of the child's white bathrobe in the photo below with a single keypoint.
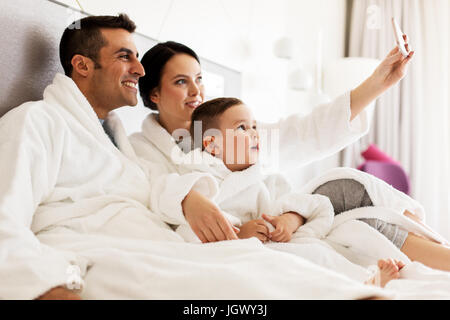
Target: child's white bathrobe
[
  {"x": 73, "y": 206},
  {"x": 245, "y": 195}
]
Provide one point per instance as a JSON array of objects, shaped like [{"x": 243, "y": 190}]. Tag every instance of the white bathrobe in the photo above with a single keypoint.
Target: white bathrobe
[
  {"x": 59, "y": 169},
  {"x": 245, "y": 195},
  {"x": 358, "y": 241},
  {"x": 73, "y": 207}
]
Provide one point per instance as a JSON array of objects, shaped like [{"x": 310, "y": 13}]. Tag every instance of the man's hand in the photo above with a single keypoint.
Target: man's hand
[
  {"x": 254, "y": 228},
  {"x": 59, "y": 293},
  {"x": 285, "y": 225},
  {"x": 205, "y": 219}
]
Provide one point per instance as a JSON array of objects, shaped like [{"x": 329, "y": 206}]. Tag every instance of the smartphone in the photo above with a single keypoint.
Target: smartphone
[{"x": 398, "y": 34}]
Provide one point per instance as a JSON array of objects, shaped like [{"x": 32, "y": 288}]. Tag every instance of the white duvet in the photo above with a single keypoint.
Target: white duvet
[
  {"x": 75, "y": 210},
  {"x": 69, "y": 199}
]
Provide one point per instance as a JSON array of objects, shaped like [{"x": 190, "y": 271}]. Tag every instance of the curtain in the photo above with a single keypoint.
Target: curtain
[{"x": 412, "y": 120}]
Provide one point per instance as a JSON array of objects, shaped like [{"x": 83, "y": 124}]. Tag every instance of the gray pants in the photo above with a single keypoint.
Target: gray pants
[{"x": 348, "y": 194}]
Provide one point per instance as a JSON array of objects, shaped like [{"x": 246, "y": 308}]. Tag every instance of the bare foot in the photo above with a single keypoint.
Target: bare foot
[{"x": 388, "y": 270}]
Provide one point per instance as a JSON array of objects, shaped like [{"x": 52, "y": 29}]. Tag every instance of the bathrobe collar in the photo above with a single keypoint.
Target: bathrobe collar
[{"x": 64, "y": 93}]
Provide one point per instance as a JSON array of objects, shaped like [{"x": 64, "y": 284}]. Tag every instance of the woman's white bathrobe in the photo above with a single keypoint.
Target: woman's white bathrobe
[{"x": 73, "y": 206}]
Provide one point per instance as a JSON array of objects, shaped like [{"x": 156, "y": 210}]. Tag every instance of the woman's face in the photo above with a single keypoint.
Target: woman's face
[{"x": 180, "y": 91}]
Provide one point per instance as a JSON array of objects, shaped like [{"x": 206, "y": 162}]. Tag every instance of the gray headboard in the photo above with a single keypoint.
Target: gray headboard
[{"x": 30, "y": 34}]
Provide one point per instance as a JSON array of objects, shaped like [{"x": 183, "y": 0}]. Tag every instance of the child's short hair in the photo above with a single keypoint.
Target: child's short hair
[{"x": 207, "y": 113}]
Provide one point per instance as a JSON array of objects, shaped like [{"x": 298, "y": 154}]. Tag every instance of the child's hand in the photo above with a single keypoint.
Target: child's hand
[
  {"x": 254, "y": 228},
  {"x": 285, "y": 225}
]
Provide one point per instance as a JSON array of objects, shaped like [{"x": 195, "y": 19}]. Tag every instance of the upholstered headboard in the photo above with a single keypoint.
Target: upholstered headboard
[{"x": 29, "y": 37}]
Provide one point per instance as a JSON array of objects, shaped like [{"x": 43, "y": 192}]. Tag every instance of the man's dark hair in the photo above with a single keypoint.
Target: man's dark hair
[
  {"x": 84, "y": 37},
  {"x": 208, "y": 113},
  {"x": 153, "y": 62}
]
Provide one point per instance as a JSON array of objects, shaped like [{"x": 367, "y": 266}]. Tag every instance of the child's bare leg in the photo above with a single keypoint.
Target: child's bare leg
[
  {"x": 429, "y": 253},
  {"x": 388, "y": 270}
]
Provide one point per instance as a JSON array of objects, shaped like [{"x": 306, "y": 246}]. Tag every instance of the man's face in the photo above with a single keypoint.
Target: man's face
[{"x": 114, "y": 83}]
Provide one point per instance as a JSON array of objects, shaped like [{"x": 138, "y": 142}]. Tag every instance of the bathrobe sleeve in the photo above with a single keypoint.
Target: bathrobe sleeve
[
  {"x": 316, "y": 209},
  {"x": 29, "y": 149},
  {"x": 168, "y": 190},
  {"x": 298, "y": 140}
]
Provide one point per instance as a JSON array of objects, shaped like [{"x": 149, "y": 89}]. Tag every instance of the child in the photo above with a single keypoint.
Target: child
[{"x": 226, "y": 145}]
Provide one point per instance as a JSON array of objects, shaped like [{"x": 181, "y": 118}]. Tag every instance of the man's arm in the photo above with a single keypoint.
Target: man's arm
[{"x": 26, "y": 156}]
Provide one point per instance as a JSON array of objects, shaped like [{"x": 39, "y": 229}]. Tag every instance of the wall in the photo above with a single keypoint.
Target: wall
[{"x": 240, "y": 34}]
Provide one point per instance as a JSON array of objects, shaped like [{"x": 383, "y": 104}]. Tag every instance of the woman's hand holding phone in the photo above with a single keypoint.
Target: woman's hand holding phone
[{"x": 388, "y": 73}]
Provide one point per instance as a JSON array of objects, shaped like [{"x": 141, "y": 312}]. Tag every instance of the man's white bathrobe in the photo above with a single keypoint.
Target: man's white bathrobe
[{"x": 74, "y": 210}]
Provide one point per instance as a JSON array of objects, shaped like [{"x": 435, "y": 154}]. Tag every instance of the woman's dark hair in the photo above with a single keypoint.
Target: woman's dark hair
[
  {"x": 84, "y": 37},
  {"x": 207, "y": 113},
  {"x": 154, "y": 61}
]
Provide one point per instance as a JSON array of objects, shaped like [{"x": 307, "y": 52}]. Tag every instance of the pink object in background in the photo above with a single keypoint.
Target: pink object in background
[
  {"x": 389, "y": 172},
  {"x": 373, "y": 153},
  {"x": 385, "y": 168}
]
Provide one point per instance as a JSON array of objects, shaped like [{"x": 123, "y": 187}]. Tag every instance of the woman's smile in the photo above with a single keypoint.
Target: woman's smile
[{"x": 193, "y": 104}]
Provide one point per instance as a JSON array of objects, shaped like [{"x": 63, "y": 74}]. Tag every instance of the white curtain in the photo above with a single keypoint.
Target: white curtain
[{"x": 412, "y": 120}]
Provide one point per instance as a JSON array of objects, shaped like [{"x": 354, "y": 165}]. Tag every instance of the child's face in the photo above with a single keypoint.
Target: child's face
[{"x": 238, "y": 146}]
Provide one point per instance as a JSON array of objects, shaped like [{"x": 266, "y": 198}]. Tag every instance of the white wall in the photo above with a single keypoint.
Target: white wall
[{"x": 240, "y": 34}]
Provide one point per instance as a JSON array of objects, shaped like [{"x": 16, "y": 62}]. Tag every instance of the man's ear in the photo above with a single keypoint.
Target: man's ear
[
  {"x": 209, "y": 145},
  {"x": 81, "y": 65}
]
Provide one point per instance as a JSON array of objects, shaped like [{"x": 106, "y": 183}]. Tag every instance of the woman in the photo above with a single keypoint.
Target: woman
[{"x": 173, "y": 87}]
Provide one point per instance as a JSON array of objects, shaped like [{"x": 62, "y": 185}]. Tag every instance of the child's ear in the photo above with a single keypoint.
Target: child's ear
[{"x": 208, "y": 145}]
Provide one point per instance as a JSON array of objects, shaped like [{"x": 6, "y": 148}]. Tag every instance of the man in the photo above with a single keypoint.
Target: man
[{"x": 61, "y": 169}]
